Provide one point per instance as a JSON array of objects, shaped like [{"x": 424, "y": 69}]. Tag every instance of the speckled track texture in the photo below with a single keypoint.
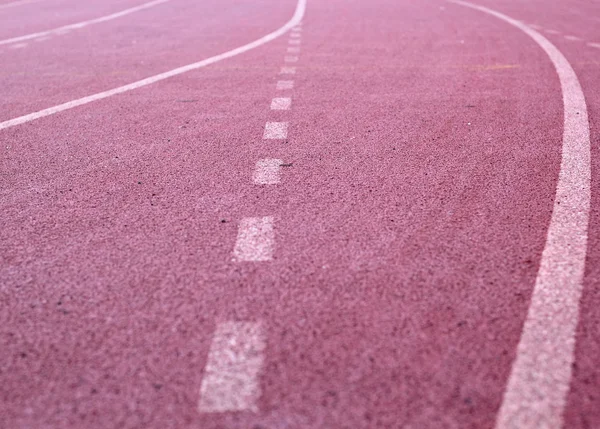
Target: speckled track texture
[{"x": 338, "y": 229}]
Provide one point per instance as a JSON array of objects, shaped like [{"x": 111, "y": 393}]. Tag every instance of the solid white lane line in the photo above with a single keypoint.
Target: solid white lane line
[
  {"x": 255, "y": 240},
  {"x": 298, "y": 14},
  {"x": 293, "y": 49},
  {"x": 573, "y": 38},
  {"x": 275, "y": 130},
  {"x": 66, "y": 28},
  {"x": 267, "y": 172},
  {"x": 281, "y": 103},
  {"x": 594, "y": 45},
  {"x": 231, "y": 377},
  {"x": 538, "y": 385},
  {"x": 42, "y": 39},
  {"x": 288, "y": 70},
  {"x": 290, "y": 59},
  {"x": 284, "y": 84},
  {"x": 17, "y": 3}
]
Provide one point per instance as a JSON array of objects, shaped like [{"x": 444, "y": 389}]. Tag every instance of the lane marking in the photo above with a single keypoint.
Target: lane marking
[
  {"x": 297, "y": 17},
  {"x": 536, "y": 27},
  {"x": 293, "y": 49},
  {"x": 290, "y": 59},
  {"x": 284, "y": 84},
  {"x": 275, "y": 130},
  {"x": 18, "y": 46},
  {"x": 573, "y": 38},
  {"x": 42, "y": 39},
  {"x": 294, "y": 41},
  {"x": 82, "y": 24},
  {"x": 281, "y": 103},
  {"x": 538, "y": 385},
  {"x": 17, "y": 3},
  {"x": 552, "y": 31},
  {"x": 255, "y": 240},
  {"x": 288, "y": 70},
  {"x": 594, "y": 45},
  {"x": 235, "y": 359},
  {"x": 267, "y": 172},
  {"x": 295, "y": 35}
]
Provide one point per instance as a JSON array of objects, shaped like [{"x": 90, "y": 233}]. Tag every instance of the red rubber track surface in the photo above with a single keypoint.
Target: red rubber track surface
[{"x": 425, "y": 143}]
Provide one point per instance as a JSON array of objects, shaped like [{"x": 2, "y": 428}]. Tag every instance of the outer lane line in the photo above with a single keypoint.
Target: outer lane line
[
  {"x": 83, "y": 24},
  {"x": 538, "y": 385},
  {"x": 296, "y": 18}
]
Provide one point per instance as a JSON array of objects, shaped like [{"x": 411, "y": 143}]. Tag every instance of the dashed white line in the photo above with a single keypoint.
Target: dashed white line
[
  {"x": 18, "y": 46},
  {"x": 66, "y": 28},
  {"x": 255, "y": 240},
  {"x": 594, "y": 45},
  {"x": 552, "y": 31},
  {"x": 290, "y": 59},
  {"x": 284, "y": 84},
  {"x": 287, "y": 70},
  {"x": 275, "y": 130},
  {"x": 538, "y": 385},
  {"x": 295, "y": 35},
  {"x": 293, "y": 49},
  {"x": 573, "y": 38},
  {"x": 294, "y": 41},
  {"x": 298, "y": 14},
  {"x": 267, "y": 172},
  {"x": 231, "y": 376},
  {"x": 281, "y": 103}
]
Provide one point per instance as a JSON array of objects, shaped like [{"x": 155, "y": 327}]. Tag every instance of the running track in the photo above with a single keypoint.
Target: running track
[{"x": 343, "y": 216}]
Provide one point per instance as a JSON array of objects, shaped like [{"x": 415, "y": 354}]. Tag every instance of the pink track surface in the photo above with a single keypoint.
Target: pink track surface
[{"x": 424, "y": 143}]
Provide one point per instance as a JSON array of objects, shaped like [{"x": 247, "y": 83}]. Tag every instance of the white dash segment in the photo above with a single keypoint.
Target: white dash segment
[
  {"x": 293, "y": 49},
  {"x": 267, "y": 172},
  {"x": 18, "y": 46},
  {"x": 287, "y": 70},
  {"x": 275, "y": 130},
  {"x": 552, "y": 31},
  {"x": 281, "y": 103},
  {"x": 231, "y": 377},
  {"x": 290, "y": 59},
  {"x": 294, "y": 41},
  {"x": 573, "y": 38},
  {"x": 255, "y": 240},
  {"x": 295, "y": 35},
  {"x": 594, "y": 45},
  {"x": 284, "y": 84}
]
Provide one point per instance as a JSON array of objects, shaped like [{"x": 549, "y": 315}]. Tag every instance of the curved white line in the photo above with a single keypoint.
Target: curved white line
[
  {"x": 17, "y": 3},
  {"x": 298, "y": 14},
  {"x": 82, "y": 24},
  {"x": 538, "y": 385}
]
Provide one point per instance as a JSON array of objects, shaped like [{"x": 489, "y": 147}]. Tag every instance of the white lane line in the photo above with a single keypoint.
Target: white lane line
[
  {"x": 294, "y": 41},
  {"x": 284, "y": 84},
  {"x": 231, "y": 376},
  {"x": 298, "y": 14},
  {"x": 267, "y": 172},
  {"x": 293, "y": 49},
  {"x": 17, "y": 3},
  {"x": 255, "y": 240},
  {"x": 295, "y": 35},
  {"x": 281, "y": 103},
  {"x": 552, "y": 31},
  {"x": 594, "y": 45},
  {"x": 535, "y": 26},
  {"x": 275, "y": 130},
  {"x": 65, "y": 28},
  {"x": 290, "y": 59},
  {"x": 573, "y": 38},
  {"x": 538, "y": 385},
  {"x": 18, "y": 46},
  {"x": 288, "y": 70},
  {"x": 42, "y": 39}
]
